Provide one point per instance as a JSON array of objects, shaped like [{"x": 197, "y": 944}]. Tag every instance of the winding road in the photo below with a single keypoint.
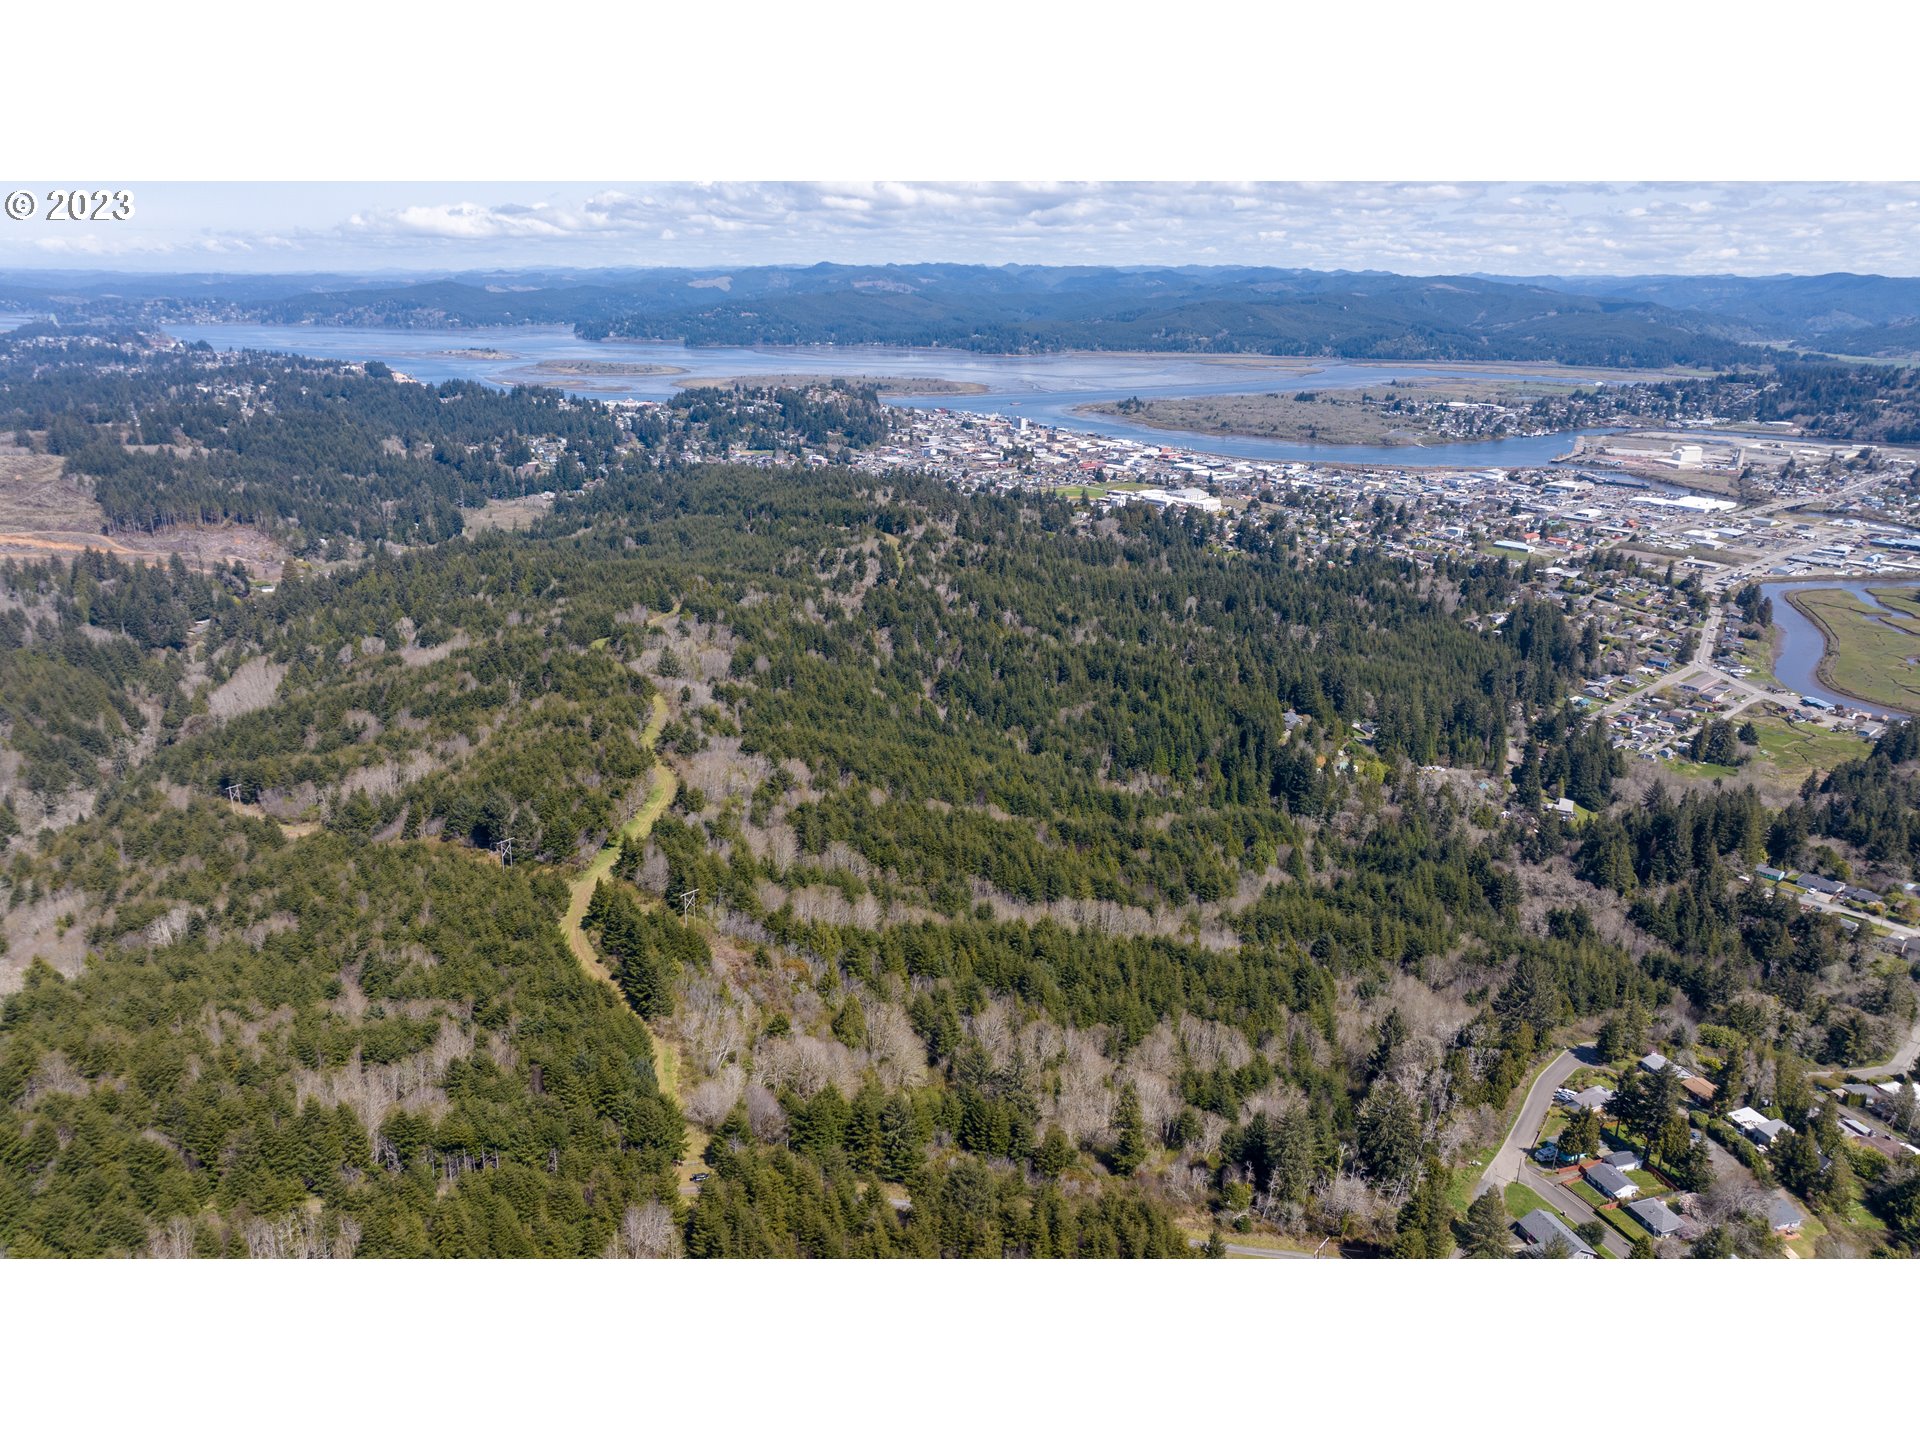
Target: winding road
[{"x": 1510, "y": 1164}]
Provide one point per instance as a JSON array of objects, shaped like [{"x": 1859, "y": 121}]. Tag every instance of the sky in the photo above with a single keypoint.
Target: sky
[{"x": 1416, "y": 228}]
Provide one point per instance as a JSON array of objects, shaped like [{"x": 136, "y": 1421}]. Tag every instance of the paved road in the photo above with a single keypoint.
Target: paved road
[
  {"x": 1903, "y": 1062},
  {"x": 1263, "y": 1252},
  {"x": 1826, "y": 904},
  {"x": 1258, "y": 1252},
  {"x": 1508, "y": 1162}
]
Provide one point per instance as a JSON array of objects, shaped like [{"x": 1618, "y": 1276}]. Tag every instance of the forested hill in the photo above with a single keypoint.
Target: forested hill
[
  {"x": 987, "y": 877},
  {"x": 1363, "y": 316},
  {"x": 1009, "y": 309},
  {"x": 332, "y": 459}
]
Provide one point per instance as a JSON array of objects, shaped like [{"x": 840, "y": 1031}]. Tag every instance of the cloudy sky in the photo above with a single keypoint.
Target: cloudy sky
[{"x": 1425, "y": 228}]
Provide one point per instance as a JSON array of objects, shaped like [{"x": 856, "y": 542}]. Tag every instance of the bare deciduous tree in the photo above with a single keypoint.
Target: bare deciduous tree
[
  {"x": 708, "y": 1103},
  {"x": 764, "y": 1116},
  {"x": 646, "y": 1232},
  {"x": 172, "y": 1241}
]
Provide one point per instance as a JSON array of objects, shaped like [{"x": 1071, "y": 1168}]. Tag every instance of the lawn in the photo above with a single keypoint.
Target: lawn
[
  {"x": 1623, "y": 1225},
  {"x": 1587, "y": 1193},
  {"x": 1803, "y": 1243},
  {"x": 1861, "y": 1218},
  {"x": 1785, "y": 752},
  {"x": 1522, "y": 1202}
]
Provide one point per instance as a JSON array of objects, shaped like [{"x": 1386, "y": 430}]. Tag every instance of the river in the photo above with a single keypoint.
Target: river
[
  {"x": 1046, "y": 389},
  {"x": 1802, "y": 644}
]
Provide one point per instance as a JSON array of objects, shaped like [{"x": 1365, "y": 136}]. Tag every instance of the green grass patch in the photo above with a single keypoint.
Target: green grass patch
[
  {"x": 1592, "y": 1196},
  {"x": 1700, "y": 769},
  {"x": 1803, "y": 1243},
  {"x": 1522, "y": 1202},
  {"x": 1859, "y": 1217},
  {"x": 1623, "y": 1225}
]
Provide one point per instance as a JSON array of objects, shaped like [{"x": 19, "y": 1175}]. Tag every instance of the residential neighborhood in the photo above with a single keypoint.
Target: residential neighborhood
[{"x": 1630, "y": 1157}]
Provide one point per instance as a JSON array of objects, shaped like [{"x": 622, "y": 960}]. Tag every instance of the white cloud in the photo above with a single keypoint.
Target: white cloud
[{"x": 1419, "y": 228}]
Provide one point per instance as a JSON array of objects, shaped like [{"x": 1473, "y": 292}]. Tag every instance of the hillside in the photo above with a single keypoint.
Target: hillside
[
  {"x": 1000, "y": 309},
  {"x": 1035, "y": 882}
]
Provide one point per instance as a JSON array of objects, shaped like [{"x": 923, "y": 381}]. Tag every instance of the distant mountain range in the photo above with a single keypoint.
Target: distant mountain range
[
  {"x": 1845, "y": 314},
  {"x": 1633, "y": 321}
]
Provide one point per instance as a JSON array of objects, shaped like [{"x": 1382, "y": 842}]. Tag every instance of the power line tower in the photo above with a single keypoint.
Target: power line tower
[{"x": 687, "y": 897}]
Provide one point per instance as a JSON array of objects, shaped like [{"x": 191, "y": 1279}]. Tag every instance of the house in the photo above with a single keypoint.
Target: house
[
  {"x": 1539, "y": 1227},
  {"x": 1700, "y": 1091},
  {"x": 1784, "y": 1216},
  {"x": 1767, "y": 872},
  {"x": 1623, "y": 1160},
  {"x": 1594, "y": 1097},
  {"x": 1653, "y": 1063},
  {"x": 1565, "y": 807},
  {"x": 1885, "y": 1099},
  {"x": 1820, "y": 885},
  {"x": 1655, "y": 1215},
  {"x": 1611, "y": 1182},
  {"x": 1757, "y": 1127},
  {"x": 1768, "y": 1131},
  {"x": 1862, "y": 896}
]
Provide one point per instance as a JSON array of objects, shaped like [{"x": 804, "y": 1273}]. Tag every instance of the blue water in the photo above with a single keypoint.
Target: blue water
[
  {"x": 1802, "y": 645},
  {"x": 1046, "y": 389}
]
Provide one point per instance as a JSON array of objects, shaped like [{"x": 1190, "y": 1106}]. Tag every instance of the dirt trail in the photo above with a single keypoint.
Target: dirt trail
[
  {"x": 45, "y": 541},
  {"x": 580, "y": 894}
]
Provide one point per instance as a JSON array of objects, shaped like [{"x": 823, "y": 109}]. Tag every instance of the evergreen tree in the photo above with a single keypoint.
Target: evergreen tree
[
  {"x": 1489, "y": 1232},
  {"x": 1130, "y": 1133}
]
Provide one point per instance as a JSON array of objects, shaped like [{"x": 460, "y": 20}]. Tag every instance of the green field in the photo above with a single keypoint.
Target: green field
[
  {"x": 1871, "y": 654},
  {"x": 1795, "y": 749},
  {"x": 1786, "y": 753}
]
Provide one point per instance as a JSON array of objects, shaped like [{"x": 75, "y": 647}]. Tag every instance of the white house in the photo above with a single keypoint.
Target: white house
[
  {"x": 1611, "y": 1182},
  {"x": 1657, "y": 1217}
]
